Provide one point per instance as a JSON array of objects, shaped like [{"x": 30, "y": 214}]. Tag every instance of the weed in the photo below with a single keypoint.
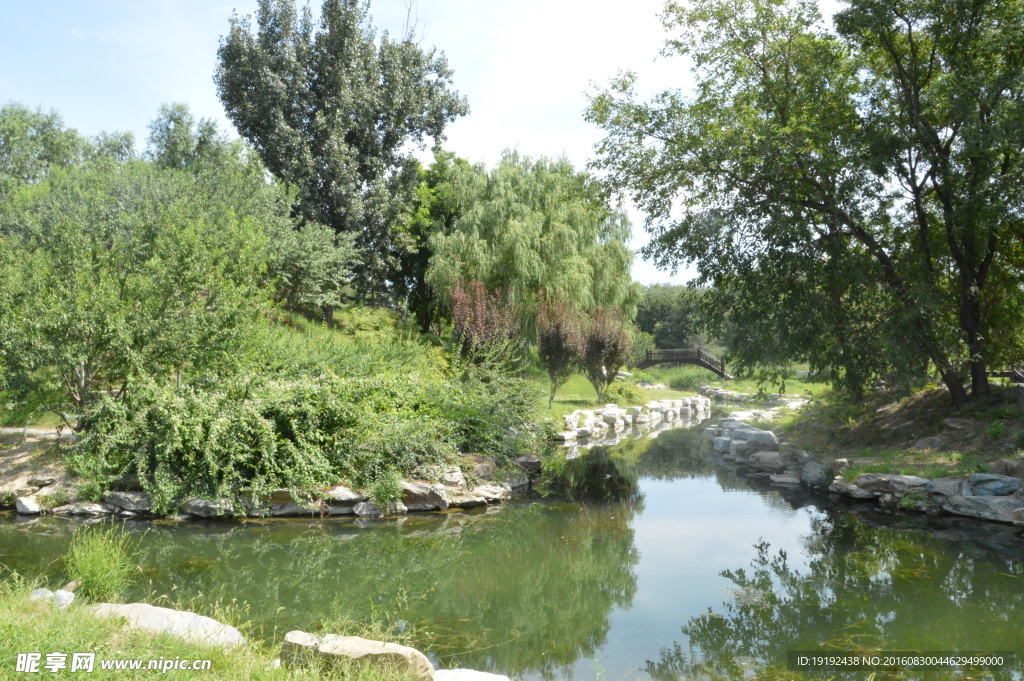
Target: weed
[
  {"x": 996, "y": 430},
  {"x": 102, "y": 561},
  {"x": 386, "y": 490},
  {"x": 53, "y": 499},
  {"x": 912, "y": 499}
]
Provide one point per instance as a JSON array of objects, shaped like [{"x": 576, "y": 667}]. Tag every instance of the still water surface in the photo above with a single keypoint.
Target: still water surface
[{"x": 648, "y": 560}]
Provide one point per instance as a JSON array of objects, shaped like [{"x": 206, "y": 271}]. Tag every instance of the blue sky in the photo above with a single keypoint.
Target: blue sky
[{"x": 524, "y": 65}]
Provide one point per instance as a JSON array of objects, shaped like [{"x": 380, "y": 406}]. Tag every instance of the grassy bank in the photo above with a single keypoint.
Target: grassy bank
[
  {"x": 921, "y": 434},
  {"x": 304, "y": 407}
]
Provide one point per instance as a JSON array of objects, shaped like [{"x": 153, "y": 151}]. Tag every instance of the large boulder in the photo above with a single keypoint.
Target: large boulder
[
  {"x": 186, "y": 625},
  {"x": 882, "y": 483},
  {"x": 82, "y": 508},
  {"x": 299, "y": 647},
  {"x": 491, "y": 493},
  {"x": 949, "y": 487},
  {"x": 419, "y": 496},
  {"x": 207, "y": 508},
  {"x": 814, "y": 474},
  {"x": 28, "y": 505},
  {"x": 366, "y": 509},
  {"x": 529, "y": 464},
  {"x": 139, "y": 502},
  {"x": 343, "y": 495},
  {"x": 848, "y": 489},
  {"x": 992, "y": 485},
  {"x": 1014, "y": 469},
  {"x": 465, "y": 500},
  {"x": 999, "y": 509},
  {"x": 721, "y": 444},
  {"x": 771, "y": 462}
]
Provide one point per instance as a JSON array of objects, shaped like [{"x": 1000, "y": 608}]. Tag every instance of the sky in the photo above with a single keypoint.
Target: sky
[{"x": 525, "y": 66}]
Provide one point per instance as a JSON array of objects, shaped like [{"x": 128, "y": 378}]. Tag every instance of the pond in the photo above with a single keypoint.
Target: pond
[{"x": 647, "y": 560}]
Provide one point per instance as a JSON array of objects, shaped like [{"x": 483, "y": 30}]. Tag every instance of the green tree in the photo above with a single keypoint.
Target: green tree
[
  {"x": 533, "y": 225},
  {"x": 671, "y": 314},
  {"x": 31, "y": 142},
  {"x": 332, "y": 112},
  {"x": 606, "y": 348},
  {"x": 110, "y": 271},
  {"x": 888, "y": 153},
  {"x": 177, "y": 140}
]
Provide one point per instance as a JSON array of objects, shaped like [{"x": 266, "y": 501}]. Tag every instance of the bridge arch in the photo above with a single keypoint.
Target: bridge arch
[{"x": 695, "y": 356}]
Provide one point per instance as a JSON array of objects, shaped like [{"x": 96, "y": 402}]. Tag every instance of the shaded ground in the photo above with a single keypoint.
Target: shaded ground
[
  {"x": 28, "y": 458},
  {"x": 922, "y": 433}
]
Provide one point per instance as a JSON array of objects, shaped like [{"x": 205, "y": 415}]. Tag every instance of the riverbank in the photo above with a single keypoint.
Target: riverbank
[{"x": 922, "y": 473}]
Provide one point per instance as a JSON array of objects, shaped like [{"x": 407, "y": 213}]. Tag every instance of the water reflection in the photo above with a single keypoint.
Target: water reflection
[{"x": 866, "y": 588}]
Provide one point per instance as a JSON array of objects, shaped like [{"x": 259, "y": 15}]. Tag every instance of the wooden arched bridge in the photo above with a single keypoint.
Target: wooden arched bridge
[{"x": 693, "y": 356}]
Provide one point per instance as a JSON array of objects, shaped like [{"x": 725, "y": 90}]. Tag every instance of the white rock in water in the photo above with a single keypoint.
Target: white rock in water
[
  {"x": 39, "y": 594},
  {"x": 186, "y": 625},
  {"x": 466, "y": 675},
  {"x": 299, "y": 647},
  {"x": 28, "y": 505}
]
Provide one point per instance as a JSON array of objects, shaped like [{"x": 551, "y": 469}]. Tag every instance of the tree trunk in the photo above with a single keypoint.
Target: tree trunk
[
  {"x": 328, "y": 315},
  {"x": 970, "y": 321}
]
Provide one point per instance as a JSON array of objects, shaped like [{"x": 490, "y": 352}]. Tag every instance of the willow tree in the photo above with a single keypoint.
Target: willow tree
[
  {"x": 336, "y": 113},
  {"x": 892, "y": 143},
  {"x": 532, "y": 225}
]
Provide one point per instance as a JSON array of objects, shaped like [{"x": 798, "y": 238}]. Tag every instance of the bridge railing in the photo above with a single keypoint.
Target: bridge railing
[{"x": 687, "y": 355}]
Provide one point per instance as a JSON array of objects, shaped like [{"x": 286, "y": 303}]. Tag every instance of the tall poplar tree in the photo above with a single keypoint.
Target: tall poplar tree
[{"x": 332, "y": 111}]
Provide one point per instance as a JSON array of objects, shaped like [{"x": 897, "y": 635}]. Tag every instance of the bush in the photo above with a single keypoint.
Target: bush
[
  {"x": 102, "y": 561},
  {"x": 625, "y": 393},
  {"x": 386, "y": 490}
]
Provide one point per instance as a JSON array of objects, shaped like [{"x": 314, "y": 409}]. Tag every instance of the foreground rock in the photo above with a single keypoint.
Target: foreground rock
[
  {"x": 138, "y": 502},
  {"x": 300, "y": 647},
  {"x": 418, "y": 496},
  {"x": 28, "y": 505},
  {"x": 1000, "y": 509},
  {"x": 186, "y": 625},
  {"x": 82, "y": 508}
]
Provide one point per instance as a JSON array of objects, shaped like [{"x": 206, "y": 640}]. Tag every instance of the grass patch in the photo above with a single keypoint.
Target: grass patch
[
  {"x": 37, "y": 626},
  {"x": 102, "y": 561}
]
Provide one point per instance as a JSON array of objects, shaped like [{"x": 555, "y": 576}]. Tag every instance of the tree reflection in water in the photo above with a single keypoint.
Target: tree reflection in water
[{"x": 866, "y": 588}]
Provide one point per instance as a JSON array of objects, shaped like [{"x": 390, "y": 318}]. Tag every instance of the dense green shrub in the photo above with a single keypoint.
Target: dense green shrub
[
  {"x": 625, "y": 393},
  {"x": 258, "y": 433}
]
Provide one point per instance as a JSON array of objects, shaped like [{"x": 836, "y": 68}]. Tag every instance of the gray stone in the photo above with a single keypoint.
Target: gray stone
[
  {"x": 492, "y": 494},
  {"x": 851, "y": 490},
  {"x": 344, "y": 495},
  {"x": 949, "y": 487},
  {"x": 767, "y": 461},
  {"x": 741, "y": 448},
  {"x": 530, "y": 465},
  {"x": 466, "y": 675},
  {"x": 999, "y": 509},
  {"x": 40, "y": 594},
  {"x": 761, "y": 437},
  {"x": 186, "y": 625},
  {"x": 82, "y": 508},
  {"x": 28, "y": 505},
  {"x": 293, "y": 509},
  {"x": 453, "y": 477},
  {"x": 485, "y": 469},
  {"x": 42, "y": 480},
  {"x": 518, "y": 485},
  {"x": 205, "y": 508},
  {"x": 368, "y": 508},
  {"x": 1014, "y": 469},
  {"x": 299, "y": 647},
  {"x": 814, "y": 474},
  {"x": 130, "y": 501},
  {"x": 340, "y": 509},
  {"x": 465, "y": 500},
  {"x": 62, "y": 598},
  {"x": 422, "y": 497},
  {"x": 783, "y": 480},
  {"x": 991, "y": 485},
  {"x": 840, "y": 465},
  {"x": 933, "y": 442},
  {"x": 888, "y": 500},
  {"x": 721, "y": 444},
  {"x": 882, "y": 483}
]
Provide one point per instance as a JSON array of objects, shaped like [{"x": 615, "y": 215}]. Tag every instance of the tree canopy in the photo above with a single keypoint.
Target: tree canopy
[
  {"x": 534, "y": 225},
  {"x": 874, "y": 170},
  {"x": 332, "y": 111}
]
